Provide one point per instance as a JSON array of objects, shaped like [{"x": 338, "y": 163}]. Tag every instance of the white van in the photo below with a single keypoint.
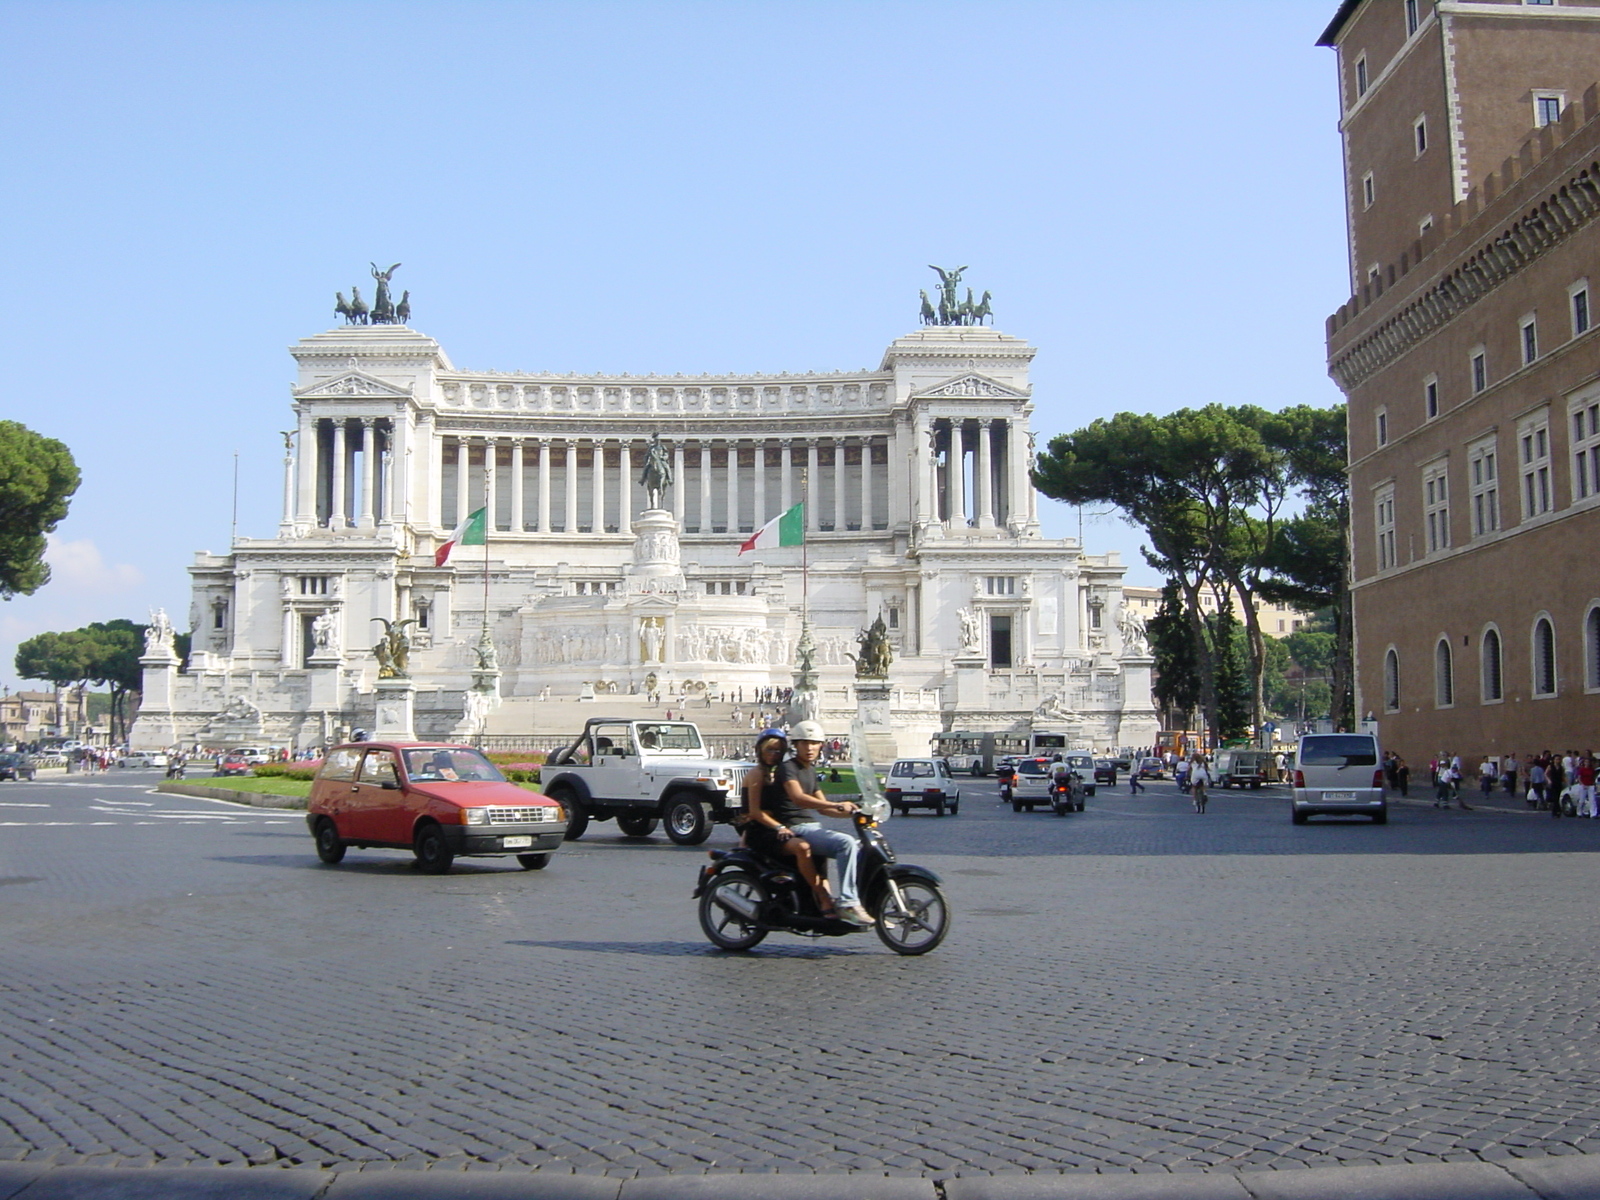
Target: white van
[{"x": 1339, "y": 774}]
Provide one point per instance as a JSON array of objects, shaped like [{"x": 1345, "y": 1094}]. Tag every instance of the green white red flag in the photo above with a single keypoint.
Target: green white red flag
[
  {"x": 469, "y": 533},
  {"x": 785, "y": 529}
]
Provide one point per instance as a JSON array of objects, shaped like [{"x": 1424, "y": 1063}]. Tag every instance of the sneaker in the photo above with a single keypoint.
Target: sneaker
[{"x": 855, "y": 915}]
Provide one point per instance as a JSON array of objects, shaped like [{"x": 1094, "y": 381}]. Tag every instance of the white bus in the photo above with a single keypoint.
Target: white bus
[{"x": 975, "y": 752}]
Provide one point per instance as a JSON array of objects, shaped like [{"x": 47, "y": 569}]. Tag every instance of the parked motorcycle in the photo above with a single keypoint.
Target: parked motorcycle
[{"x": 744, "y": 896}]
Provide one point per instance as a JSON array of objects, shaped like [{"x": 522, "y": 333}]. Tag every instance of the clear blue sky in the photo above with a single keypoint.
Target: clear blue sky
[{"x": 1150, "y": 188}]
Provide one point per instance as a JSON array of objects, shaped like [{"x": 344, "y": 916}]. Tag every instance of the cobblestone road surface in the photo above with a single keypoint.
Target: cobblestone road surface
[{"x": 1133, "y": 987}]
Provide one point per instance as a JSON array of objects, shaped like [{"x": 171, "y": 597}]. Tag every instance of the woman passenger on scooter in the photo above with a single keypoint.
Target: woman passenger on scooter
[{"x": 770, "y": 813}]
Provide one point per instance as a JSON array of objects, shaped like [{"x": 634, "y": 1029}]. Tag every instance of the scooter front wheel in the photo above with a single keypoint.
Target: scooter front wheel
[
  {"x": 917, "y": 921},
  {"x": 729, "y": 911}
]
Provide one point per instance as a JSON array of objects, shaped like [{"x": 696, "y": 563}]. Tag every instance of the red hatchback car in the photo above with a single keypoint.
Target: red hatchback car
[{"x": 438, "y": 801}]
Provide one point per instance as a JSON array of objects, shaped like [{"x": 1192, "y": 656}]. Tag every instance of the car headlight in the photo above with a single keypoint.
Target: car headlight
[{"x": 475, "y": 816}]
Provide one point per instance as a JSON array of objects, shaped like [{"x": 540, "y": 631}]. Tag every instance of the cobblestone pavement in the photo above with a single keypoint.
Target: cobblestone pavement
[{"x": 1136, "y": 987}]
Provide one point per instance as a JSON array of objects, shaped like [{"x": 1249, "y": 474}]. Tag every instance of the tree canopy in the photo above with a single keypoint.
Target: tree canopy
[
  {"x": 105, "y": 653},
  {"x": 37, "y": 480},
  {"x": 1215, "y": 489}
]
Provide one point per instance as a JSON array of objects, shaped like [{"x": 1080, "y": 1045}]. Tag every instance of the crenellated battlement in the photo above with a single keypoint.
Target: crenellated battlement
[{"x": 1537, "y": 198}]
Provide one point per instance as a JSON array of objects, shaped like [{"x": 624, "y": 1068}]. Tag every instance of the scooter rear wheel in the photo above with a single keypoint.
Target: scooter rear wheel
[{"x": 726, "y": 928}]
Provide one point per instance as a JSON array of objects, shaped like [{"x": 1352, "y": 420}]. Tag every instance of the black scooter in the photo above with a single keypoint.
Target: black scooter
[
  {"x": 744, "y": 896},
  {"x": 1066, "y": 794}
]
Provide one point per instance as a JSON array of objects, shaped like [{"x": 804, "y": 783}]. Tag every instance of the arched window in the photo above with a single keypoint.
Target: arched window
[
  {"x": 1444, "y": 683},
  {"x": 1591, "y": 648},
  {"x": 1544, "y": 658},
  {"x": 1391, "y": 680},
  {"x": 1492, "y": 689}
]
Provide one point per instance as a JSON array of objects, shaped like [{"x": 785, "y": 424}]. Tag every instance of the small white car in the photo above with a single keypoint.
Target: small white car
[
  {"x": 143, "y": 758},
  {"x": 922, "y": 783},
  {"x": 254, "y": 755}
]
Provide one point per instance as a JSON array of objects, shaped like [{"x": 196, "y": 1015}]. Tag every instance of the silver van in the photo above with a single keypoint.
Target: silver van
[{"x": 1339, "y": 774}]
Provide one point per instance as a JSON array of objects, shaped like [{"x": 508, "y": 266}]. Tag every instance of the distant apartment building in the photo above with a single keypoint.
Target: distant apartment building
[
  {"x": 1277, "y": 620},
  {"x": 1468, "y": 357},
  {"x": 26, "y": 717}
]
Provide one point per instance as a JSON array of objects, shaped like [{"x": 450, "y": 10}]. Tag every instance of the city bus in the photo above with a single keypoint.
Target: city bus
[{"x": 976, "y": 751}]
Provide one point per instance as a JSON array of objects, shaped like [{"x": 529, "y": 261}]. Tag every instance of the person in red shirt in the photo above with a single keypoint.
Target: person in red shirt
[{"x": 1584, "y": 772}]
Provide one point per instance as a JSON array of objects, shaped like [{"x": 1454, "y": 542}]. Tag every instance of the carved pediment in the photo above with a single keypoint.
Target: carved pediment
[
  {"x": 970, "y": 385},
  {"x": 351, "y": 383}
]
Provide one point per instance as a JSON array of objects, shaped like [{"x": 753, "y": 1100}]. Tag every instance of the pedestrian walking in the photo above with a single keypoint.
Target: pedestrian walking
[
  {"x": 1402, "y": 776},
  {"x": 1585, "y": 787},
  {"x": 1134, "y": 786},
  {"x": 1486, "y": 774}
]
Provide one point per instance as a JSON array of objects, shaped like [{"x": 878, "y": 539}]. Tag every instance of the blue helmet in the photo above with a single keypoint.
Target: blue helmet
[{"x": 766, "y": 733}]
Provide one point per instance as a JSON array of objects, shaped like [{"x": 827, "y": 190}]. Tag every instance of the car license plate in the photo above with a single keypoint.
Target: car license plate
[
  {"x": 516, "y": 843},
  {"x": 1338, "y": 795}
]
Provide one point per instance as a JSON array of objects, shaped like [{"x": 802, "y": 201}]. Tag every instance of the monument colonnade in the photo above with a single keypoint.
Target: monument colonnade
[{"x": 958, "y": 472}]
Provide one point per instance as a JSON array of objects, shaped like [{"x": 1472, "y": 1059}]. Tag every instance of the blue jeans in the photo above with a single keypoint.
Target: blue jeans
[{"x": 842, "y": 848}]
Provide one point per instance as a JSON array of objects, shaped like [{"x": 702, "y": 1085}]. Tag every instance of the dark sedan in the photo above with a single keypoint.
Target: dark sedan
[
  {"x": 16, "y": 766},
  {"x": 1105, "y": 771}
]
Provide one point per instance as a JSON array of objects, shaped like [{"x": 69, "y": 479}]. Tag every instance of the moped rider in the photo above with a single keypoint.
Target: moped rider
[
  {"x": 772, "y": 815},
  {"x": 1060, "y": 775},
  {"x": 798, "y": 777}
]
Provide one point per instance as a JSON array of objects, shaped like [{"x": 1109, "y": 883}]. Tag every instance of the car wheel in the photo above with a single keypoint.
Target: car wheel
[
  {"x": 919, "y": 923},
  {"x": 577, "y": 816},
  {"x": 636, "y": 826},
  {"x": 1299, "y": 818},
  {"x": 938, "y": 808},
  {"x": 329, "y": 848},
  {"x": 977, "y": 770},
  {"x": 688, "y": 822},
  {"x": 534, "y": 862},
  {"x": 1380, "y": 818},
  {"x": 955, "y": 809},
  {"x": 729, "y": 911},
  {"x": 1016, "y": 806},
  {"x": 433, "y": 853}
]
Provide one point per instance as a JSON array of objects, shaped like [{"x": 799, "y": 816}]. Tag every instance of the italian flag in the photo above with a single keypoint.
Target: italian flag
[
  {"x": 468, "y": 533},
  {"x": 785, "y": 529}
]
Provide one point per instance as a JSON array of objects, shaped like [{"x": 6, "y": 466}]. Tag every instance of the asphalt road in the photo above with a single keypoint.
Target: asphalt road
[{"x": 1134, "y": 987}]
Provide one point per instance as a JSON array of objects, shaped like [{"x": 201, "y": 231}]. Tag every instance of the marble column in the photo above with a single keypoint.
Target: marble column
[
  {"x": 463, "y": 484},
  {"x": 286, "y": 656},
  {"x": 397, "y": 488},
  {"x": 305, "y": 450},
  {"x": 288, "y": 485},
  {"x": 809, "y": 487},
  {"x": 433, "y": 447},
  {"x": 679, "y": 484},
  {"x": 544, "y": 485},
  {"x": 491, "y": 470},
  {"x": 369, "y": 473},
  {"x": 569, "y": 522},
  {"x": 517, "y": 465},
  {"x": 733, "y": 486},
  {"x": 758, "y": 486},
  {"x": 625, "y": 487},
  {"x": 983, "y": 476},
  {"x": 1016, "y": 473},
  {"x": 955, "y": 475},
  {"x": 839, "y": 522},
  {"x": 597, "y": 507},
  {"x": 925, "y": 458},
  {"x": 337, "y": 507},
  {"x": 786, "y": 474},
  {"x": 705, "y": 485},
  {"x": 866, "y": 484}
]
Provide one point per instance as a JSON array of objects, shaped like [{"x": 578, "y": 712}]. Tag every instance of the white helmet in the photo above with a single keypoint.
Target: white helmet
[{"x": 807, "y": 731}]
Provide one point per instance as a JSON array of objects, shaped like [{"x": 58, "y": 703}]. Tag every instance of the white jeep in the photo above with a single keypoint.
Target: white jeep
[{"x": 642, "y": 773}]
